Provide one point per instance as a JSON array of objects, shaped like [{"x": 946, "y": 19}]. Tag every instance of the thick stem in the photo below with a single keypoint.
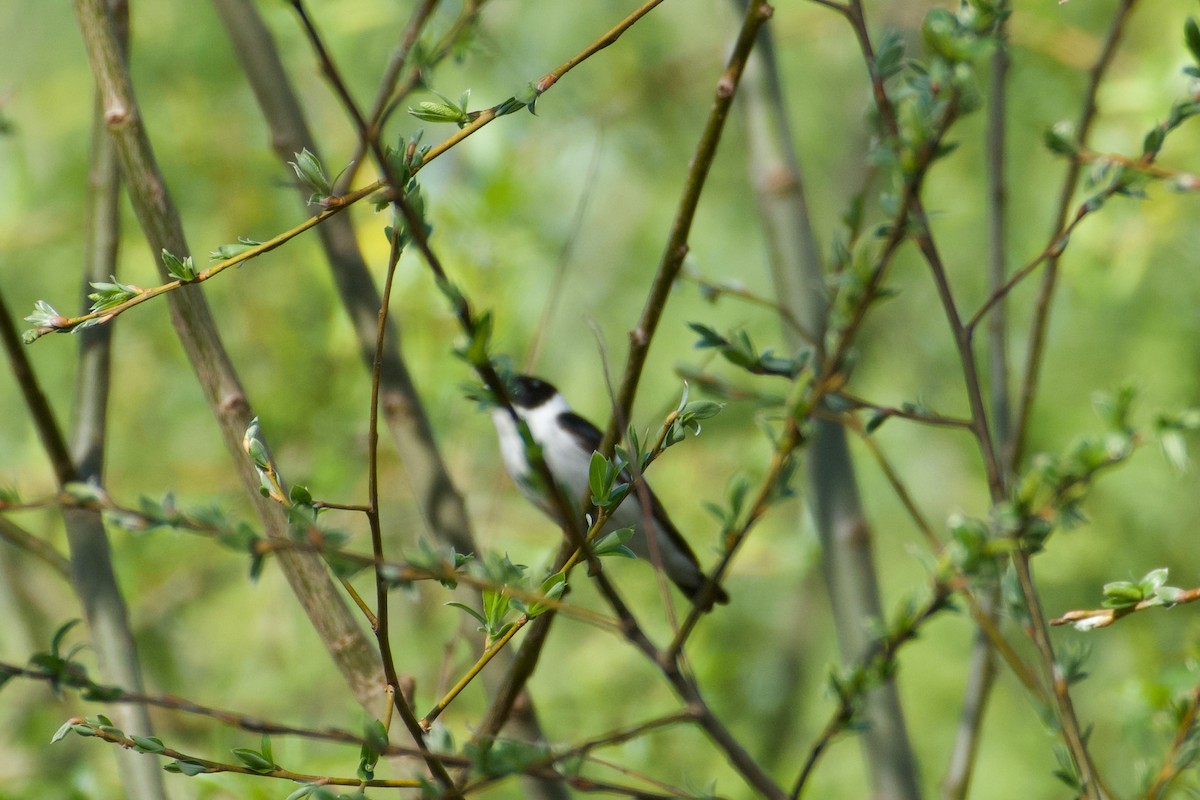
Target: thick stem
[{"x": 193, "y": 322}]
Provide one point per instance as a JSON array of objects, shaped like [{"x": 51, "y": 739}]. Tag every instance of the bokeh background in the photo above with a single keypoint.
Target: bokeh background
[{"x": 589, "y": 186}]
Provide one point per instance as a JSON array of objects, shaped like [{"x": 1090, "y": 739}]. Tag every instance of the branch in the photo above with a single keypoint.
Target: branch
[
  {"x": 757, "y": 13},
  {"x": 197, "y": 331},
  {"x": 1090, "y": 619},
  {"x": 1041, "y": 319}
]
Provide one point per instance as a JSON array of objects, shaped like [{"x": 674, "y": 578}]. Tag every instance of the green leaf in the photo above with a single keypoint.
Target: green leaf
[
  {"x": 1152, "y": 581},
  {"x": 702, "y": 409},
  {"x": 44, "y": 316},
  {"x": 180, "y": 269},
  {"x": 188, "y": 768},
  {"x": 266, "y": 749},
  {"x": 254, "y": 760},
  {"x": 60, "y": 635},
  {"x": 225, "y": 252},
  {"x": 61, "y": 733},
  {"x": 1122, "y": 594},
  {"x": 552, "y": 588},
  {"x": 598, "y": 479},
  {"x": 108, "y": 295},
  {"x": 614, "y": 544},
  {"x": 469, "y": 610},
  {"x": 308, "y": 169},
  {"x": 708, "y": 336},
  {"x": 1059, "y": 139},
  {"x": 1191, "y": 37},
  {"x": 148, "y": 744}
]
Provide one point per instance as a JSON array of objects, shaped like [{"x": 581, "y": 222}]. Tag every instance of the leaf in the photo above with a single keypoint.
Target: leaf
[
  {"x": 148, "y": 744},
  {"x": 552, "y": 588},
  {"x": 61, "y": 733},
  {"x": 1152, "y": 581},
  {"x": 45, "y": 316},
  {"x": 471, "y": 611},
  {"x": 308, "y": 169},
  {"x": 614, "y": 544},
  {"x": 180, "y": 269},
  {"x": 1122, "y": 594},
  {"x": 225, "y": 252},
  {"x": 708, "y": 336},
  {"x": 61, "y": 634},
  {"x": 598, "y": 479},
  {"x": 1191, "y": 37},
  {"x": 254, "y": 760},
  {"x": 188, "y": 768}
]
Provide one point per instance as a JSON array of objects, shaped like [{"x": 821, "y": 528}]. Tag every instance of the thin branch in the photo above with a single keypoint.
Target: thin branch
[
  {"x": 1181, "y": 753},
  {"x": 1041, "y": 319},
  {"x": 1092, "y": 618},
  {"x": 114, "y": 736},
  {"x": 197, "y": 332},
  {"x": 872, "y": 668},
  {"x": 714, "y": 290},
  {"x": 757, "y": 13},
  {"x": 426, "y": 721},
  {"x": 22, "y": 539}
]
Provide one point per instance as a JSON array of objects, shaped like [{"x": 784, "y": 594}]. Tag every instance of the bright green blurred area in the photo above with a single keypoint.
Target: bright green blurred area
[{"x": 613, "y": 138}]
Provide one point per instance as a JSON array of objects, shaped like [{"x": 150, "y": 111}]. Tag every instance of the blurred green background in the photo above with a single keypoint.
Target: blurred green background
[{"x": 616, "y": 135}]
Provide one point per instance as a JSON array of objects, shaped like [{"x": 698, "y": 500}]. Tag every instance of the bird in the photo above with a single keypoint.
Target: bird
[{"x": 568, "y": 441}]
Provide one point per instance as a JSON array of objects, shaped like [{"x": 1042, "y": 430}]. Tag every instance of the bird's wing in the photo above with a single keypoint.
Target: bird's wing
[
  {"x": 589, "y": 437},
  {"x": 582, "y": 431}
]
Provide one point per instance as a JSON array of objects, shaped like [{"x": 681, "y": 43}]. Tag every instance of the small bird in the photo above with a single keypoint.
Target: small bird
[{"x": 568, "y": 441}]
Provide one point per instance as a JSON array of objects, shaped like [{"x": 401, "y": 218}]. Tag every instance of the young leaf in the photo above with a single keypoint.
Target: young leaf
[{"x": 180, "y": 269}]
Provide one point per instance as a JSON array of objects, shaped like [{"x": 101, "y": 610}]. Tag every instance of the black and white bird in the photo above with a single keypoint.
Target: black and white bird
[{"x": 568, "y": 441}]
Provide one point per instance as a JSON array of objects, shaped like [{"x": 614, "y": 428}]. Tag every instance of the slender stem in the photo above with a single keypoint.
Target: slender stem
[
  {"x": 757, "y": 13},
  {"x": 1041, "y": 319},
  {"x": 1181, "y": 753},
  {"x": 982, "y": 666},
  {"x": 470, "y": 675},
  {"x": 380, "y": 626},
  {"x": 114, "y": 736},
  {"x": 68, "y": 324},
  {"x": 22, "y": 539}
]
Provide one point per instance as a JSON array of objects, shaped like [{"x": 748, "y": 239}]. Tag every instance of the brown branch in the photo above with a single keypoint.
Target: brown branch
[
  {"x": 1090, "y": 619},
  {"x": 1041, "y": 319},
  {"x": 1174, "y": 762},
  {"x": 757, "y": 13}
]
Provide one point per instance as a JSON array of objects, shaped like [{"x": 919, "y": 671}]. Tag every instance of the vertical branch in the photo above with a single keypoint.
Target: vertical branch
[
  {"x": 1041, "y": 319},
  {"x": 847, "y": 558},
  {"x": 438, "y": 500},
  {"x": 981, "y": 670},
  {"x": 92, "y": 571},
  {"x": 197, "y": 331},
  {"x": 757, "y": 13}
]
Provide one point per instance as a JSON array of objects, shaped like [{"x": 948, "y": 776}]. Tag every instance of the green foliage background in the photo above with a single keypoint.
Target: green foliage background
[{"x": 616, "y": 134}]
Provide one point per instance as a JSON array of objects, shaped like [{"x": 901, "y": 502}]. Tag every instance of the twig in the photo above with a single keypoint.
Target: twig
[
  {"x": 1090, "y": 619},
  {"x": 114, "y": 736},
  {"x": 1041, "y": 319},
  {"x": 876, "y": 662},
  {"x": 426, "y": 721},
  {"x": 757, "y": 13},
  {"x": 713, "y": 290},
  {"x": 1173, "y": 762},
  {"x": 22, "y": 539}
]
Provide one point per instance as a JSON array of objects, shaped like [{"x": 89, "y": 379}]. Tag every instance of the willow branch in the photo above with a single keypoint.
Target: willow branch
[
  {"x": 1041, "y": 319},
  {"x": 757, "y": 13}
]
